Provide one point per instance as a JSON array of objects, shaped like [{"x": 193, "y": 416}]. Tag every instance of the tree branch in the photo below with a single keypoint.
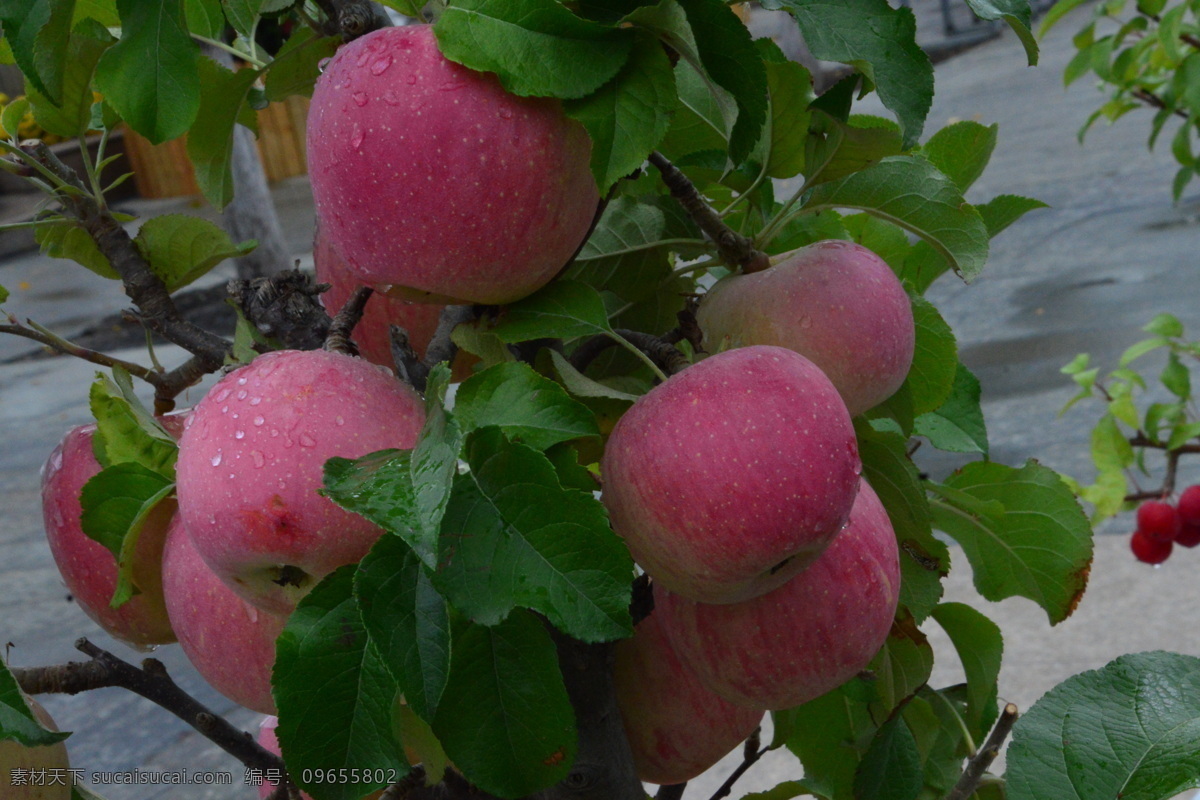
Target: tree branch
[
  {"x": 736, "y": 250},
  {"x": 69, "y": 348},
  {"x": 658, "y": 349},
  {"x": 415, "y": 370},
  {"x": 751, "y": 753},
  {"x": 1151, "y": 99},
  {"x": 673, "y": 791},
  {"x": 983, "y": 759},
  {"x": 152, "y": 683},
  {"x": 338, "y": 339}
]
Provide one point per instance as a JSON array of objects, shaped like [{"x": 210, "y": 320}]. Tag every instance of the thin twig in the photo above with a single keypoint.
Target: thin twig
[
  {"x": 338, "y": 339},
  {"x": 673, "y": 791},
  {"x": 662, "y": 352},
  {"x": 152, "y": 683},
  {"x": 69, "y": 348},
  {"x": 979, "y": 763},
  {"x": 738, "y": 251},
  {"x": 1149, "y": 98},
  {"x": 751, "y": 753}
]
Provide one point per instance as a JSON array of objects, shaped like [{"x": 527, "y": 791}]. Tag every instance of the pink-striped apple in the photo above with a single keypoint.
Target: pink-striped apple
[
  {"x": 230, "y": 642},
  {"x": 432, "y": 179},
  {"x": 805, "y": 638},
  {"x": 835, "y": 302},
  {"x": 733, "y": 475},
  {"x": 676, "y": 727},
  {"x": 40, "y": 772},
  {"x": 88, "y": 568},
  {"x": 251, "y": 467}
]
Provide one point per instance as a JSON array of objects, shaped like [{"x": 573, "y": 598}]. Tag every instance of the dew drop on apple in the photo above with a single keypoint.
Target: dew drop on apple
[
  {"x": 239, "y": 434},
  {"x": 257, "y": 458},
  {"x": 357, "y": 137},
  {"x": 360, "y": 99},
  {"x": 339, "y": 420},
  {"x": 381, "y": 65},
  {"x": 806, "y": 322},
  {"x": 220, "y": 398},
  {"x": 242, "y": 381},
  {"x": 241, "y": 395},
  {"x": 322, "y": 64},
  {"x": 307, "y": 441},
  {"x": 258, "y": 421},
  {"x": 390, "y": 98},
  {"x": 411, "y": 80},
  {"x": 505, "y": 113},
  {"x": 216, "y": 460},
  {"x": 253, "y": 401}
]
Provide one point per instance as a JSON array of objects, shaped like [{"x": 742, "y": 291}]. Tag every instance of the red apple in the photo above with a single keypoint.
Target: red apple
[
  {"x": 432, "y": 179},
  {"x": 733, "y": 475},
  {"x": 805, "y": 638},
  {"x": 676, "y": 727},
  {"x": 835, "y": 302},
  {"x": 88, "y": 568},
  {"x": 251, "y": 461},
  {"x": 42, "y": 772},
  {"x": 229, "y": 642}
]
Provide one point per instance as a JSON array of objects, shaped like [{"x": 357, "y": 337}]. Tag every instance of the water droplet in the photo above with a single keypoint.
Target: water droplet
[
  {"x": 221, "y": 395},
  {"x": 322, "y": 64},
  {"x": 224, "y": 409},
  {"x": 339, "y": 420},
  {"x": 360, "y": 99},
  {"x": 390, "y": 98},
  {"x": 357, "y": 136},
  {"x": 242, "y": 381},
  {"x": 258, "y": 421},
  {"x": 505, "y": 113},
  {"x": 239, "y": 434},
  {"x": 410, "y": 79},
  {"x": 241, "y": 395},
  {"x": 307, "y": 441},
  {"x": 274, "y": 433},
  {"x": 257, "y": 458},
  {"x": 216, "y": 460},
  {"x": 253, "y": 401},
  {"x": 806, "y": 322},
  {"x": 252, "y": 613},
  {"x": 362, "y": 57},
  {"x": 381, "y": 65}
]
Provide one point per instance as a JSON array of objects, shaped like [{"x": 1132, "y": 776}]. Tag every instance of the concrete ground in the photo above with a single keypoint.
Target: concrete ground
[{"x": 1082, "y": 276}]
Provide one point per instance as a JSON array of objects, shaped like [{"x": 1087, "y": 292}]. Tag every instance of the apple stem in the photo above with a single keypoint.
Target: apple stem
[
  {"x": 153, "y": 683},
  {"x": 415, "y": 370},
  {"x": 751, "y": 754},
  {"x": 979, "y": 763},
  {"x": 736, "y": 250},
  {"x": 338, "y": 339},
  {"x": 52, "y": 340}
]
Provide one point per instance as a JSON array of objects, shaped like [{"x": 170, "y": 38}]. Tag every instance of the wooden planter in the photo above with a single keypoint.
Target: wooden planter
[{"x": 166, "y": 171}]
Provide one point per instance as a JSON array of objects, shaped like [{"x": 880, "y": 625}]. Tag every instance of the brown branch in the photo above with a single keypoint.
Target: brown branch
[
  {"x": 1186, "y": 38},
  {"x": 983, "y": 759},
  {"x": 72, "y": 349},
  {"x": 152, "y": 683},
  {"x": 1151, "y": 99},
  {"x": 736, "y": 250},
  {"x": 672, "y": 791},
  {"x": 168, "y": 385},
  {"x": 415, "y": 370},
  {"x": 657, "y": 348},
  {"x": 338, "y": 339},
  {"x": 1170, "y": 473},
  {"x": 141, "y": 284},
  {"x": 751, "y": 753}
]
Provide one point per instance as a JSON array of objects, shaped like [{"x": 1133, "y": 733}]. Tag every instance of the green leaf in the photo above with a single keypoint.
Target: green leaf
[
  {"x": 3, "y": 294},
  {"x": 836, "y": 149},
  {"x": 1057, "y": 12},
  {"x": 1130, "y": 729},
  {"x": 505, "y": 718},
  {"x": 205, "y": 17},
  {"x": 243, "y": 14},
  {"x": 472, "y": 337},
  {"x": 877, "y": 40},
  {"x": 935, "y": 719},
  {"x": 407, "y": 620},
  {"x": 792, "y": 789},
  {"x": 1176, "y": 378},
  {"x": 831, "y": 734},
  {"x": 12, "y": 115},
  {"x": 1019, "y": 17},
  {"x": 535, "y": 47},
  {"x": 628, "y": 116},
  {"x": 17, "y": 721},
  {"x": 210, "y": 140},
  {"x": 513, "y": 536},
  {"x": 957, "y": 425},
  {"x": 125, "y": 429},
  {"x": 961, "y": 151},
  {"x": 911, "y": 193},
  {"x": 790, "y": 87},
  {"x": 180, "y": 248},
  {"x": 1167, "y": 326},
  {"x": 297, "y": 64},
  {"x": 152, "y": 76},
  {"x": 116, "y": 500},
  {"x": 1005, "y": 209},
  {"x": 935, "y": 359},
  {"x": 38, "y": 31},
  {"x": 1039, "y": 547},
  {"x": 980, "y": 646},
  {"x": 405, "y": 492},
  {"x": 903, "y": 664},
  {"x": 418, "y": 738},
  {"x": 70, "y": 117},
  {"x": 581, "y": 385},
  {"x": 698, "y": 123},
  {"x": 72, "y": 242},
  {"x": 334, "y": 694},
  {"x": 564, "y": 309},
  {"x": 924, "y": 560},
  {"x": 891, "y": 767},
  {"x": 525, "y": 406},
  {"x": 730, "y": 59}
]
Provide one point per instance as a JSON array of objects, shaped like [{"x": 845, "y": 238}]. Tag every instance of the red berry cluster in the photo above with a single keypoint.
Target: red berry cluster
[{"x": 1160, "y": 526}]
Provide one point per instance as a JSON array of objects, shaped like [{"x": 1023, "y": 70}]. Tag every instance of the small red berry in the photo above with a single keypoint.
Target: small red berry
[
  {"x": 1189, "y": 535},
  {"x": 1149, "y": 550},
  {"x": 1189, "y": 505},
  {"x": 1158, "y": 520}
]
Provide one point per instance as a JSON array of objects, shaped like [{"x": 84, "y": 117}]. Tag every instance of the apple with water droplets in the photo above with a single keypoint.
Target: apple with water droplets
[
  {"x": 431, "y": 179},
  {"x": 230, "y": 642},
  {"x": 835, "y": 302},
  {"x": 55, "y": 783},
  {"x": 807, "y": 637},
  {"x": 676, "y": 727},
  {"x": 88, "y": 568},
  {"x": 733, "y": 475},
  {"x": 251, "y": 465}
]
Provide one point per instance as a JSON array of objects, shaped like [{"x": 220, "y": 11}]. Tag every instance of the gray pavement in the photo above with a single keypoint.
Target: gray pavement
[{"x": 1081, "y": 276}]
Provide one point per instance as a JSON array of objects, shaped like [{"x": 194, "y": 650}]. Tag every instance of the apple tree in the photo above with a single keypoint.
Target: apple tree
[{"x": 638, "y": 467}]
